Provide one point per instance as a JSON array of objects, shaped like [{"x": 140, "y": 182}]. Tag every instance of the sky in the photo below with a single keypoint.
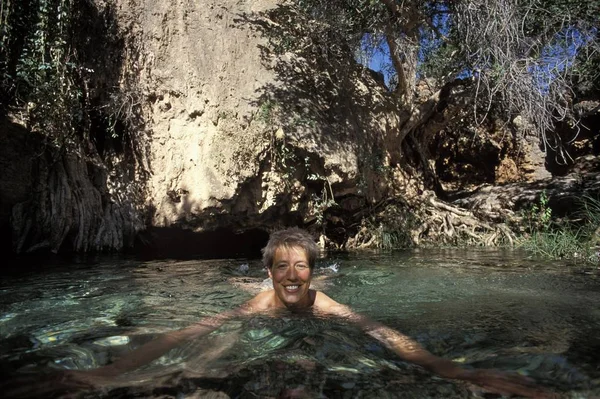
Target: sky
[
  {"x": 554, "y": 59},
  {"x": 378, "y": 53}
]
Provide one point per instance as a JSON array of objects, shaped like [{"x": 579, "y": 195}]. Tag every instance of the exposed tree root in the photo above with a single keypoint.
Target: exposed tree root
[
  {"x": 450, "y": 224},
  {"x": 436, "y": 222}
]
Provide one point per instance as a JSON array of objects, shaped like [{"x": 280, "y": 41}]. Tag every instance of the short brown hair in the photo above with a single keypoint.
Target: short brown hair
[{"x": 289, "y": 238}]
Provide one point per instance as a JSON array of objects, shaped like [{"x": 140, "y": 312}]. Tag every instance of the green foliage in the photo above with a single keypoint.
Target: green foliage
[
  {"x": 283, "y": 44},
  {"x": 440, "y": 62},
  {"x": 123, "y": 106},
  {"x": 322, "y": 203},
  {"x": 377, "y": 162},
  {"x": 393, "y": 239},
  {"x": 291, "y": 167},
  {"x": 305, "y": 121},
  {"x": 555, "y": 14},
  {"x": 284, "y": 159},
  {"x": 391, "y": 228},
  {"x": 586, "y": 74},
  {"x": 352, "y": 17},
  {"x": 265, "y": 111},
  {"x": 590, "y": 211},
  {"x": 503, "y": 46},
  {"x": 539, "y": 216},
  {"x": 40, "y": 71},
  {"x": 372, "y": 161}
]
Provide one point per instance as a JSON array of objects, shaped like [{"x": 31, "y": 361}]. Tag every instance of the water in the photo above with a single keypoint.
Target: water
[{"x": 495, "y": 309}]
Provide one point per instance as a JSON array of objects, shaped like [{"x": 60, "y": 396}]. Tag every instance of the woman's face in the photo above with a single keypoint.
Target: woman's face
[{"x": 291, "y": 277}]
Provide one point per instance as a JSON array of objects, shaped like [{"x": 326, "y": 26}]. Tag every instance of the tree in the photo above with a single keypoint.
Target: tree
[{"x": 519, "y": 55}]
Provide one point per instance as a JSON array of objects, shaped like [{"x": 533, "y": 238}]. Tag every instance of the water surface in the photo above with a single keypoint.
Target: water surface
[{"x": 495, "y": 308}]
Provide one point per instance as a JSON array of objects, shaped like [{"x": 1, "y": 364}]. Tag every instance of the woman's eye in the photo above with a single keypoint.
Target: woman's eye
[{"x": 301, "y": 266}]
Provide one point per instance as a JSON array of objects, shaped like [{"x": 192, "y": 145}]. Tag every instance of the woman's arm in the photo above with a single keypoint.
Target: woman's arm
[
  {"x": 105, "y": 376},
  {"x": 410, "y": 350},
  {"x": 164, "y": 343},
  {"x": 492, "y": 380},
  {"x": 68, "y": 380}
]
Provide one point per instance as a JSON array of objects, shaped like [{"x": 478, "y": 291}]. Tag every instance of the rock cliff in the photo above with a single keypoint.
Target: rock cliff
[{"x": 243, "y": 136}]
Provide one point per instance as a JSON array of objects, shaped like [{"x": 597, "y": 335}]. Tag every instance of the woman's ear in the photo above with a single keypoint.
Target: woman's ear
[{"x": 270, "y": 273}]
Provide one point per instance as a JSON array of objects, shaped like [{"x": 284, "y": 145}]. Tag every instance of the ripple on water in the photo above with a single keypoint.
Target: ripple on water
[{"x": 481, "y": 308}]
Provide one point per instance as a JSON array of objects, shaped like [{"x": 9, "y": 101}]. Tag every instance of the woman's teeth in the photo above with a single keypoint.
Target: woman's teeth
[{"x": 292, "y": 287}]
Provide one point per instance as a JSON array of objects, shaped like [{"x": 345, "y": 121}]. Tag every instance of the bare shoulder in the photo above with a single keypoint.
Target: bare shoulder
[
  {"x": 324, "y": 303},
  {"x": 261, "y": 302}
]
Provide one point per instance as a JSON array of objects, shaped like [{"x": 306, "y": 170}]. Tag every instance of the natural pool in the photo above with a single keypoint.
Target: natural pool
[{"x": 483, "y": 308}]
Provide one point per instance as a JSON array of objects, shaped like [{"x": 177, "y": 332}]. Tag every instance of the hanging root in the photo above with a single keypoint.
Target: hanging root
[{"x": 450, "y": 224}]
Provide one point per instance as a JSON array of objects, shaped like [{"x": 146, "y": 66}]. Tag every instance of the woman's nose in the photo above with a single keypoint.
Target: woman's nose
[{"x": 291, "y": 273}]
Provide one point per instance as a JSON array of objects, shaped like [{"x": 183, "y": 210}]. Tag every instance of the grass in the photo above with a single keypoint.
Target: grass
[
  {"x": 591, "y": 210},
  {"x": 578, "y": 240},
  {"x": 563, "y": 243}
]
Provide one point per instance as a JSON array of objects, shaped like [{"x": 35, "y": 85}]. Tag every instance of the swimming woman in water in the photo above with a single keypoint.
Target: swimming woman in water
[{"x": 289, "y": 258}]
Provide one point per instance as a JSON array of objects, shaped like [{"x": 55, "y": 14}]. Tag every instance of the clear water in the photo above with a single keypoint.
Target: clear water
[{"x": 495, "y": 309}]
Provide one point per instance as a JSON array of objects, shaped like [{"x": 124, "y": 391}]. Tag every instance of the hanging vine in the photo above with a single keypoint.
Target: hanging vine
[{"x": 40, "y": 74}]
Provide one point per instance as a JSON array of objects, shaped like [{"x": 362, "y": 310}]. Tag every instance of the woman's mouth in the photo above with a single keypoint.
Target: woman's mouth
[{"x": 292, "y": 288}]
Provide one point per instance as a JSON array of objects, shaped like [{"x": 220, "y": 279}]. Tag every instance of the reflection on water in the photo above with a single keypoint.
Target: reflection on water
[{"x": 482, "y": 308}]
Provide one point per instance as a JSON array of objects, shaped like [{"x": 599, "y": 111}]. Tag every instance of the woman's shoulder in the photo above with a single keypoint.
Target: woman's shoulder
[
  {"x": 261, "y": 302},
  {"x": 324, "y": 303}
]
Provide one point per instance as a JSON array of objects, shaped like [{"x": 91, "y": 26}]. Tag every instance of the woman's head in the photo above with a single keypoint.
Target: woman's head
[{"x": 290, "y": 238}]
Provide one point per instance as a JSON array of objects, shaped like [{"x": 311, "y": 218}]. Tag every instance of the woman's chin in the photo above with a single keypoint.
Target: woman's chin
[{"x": 291, "y": 299}]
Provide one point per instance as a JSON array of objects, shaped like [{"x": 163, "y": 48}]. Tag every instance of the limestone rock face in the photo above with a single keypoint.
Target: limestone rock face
[
  {"x": 232, "y": 140},
  {"x": 200, "y": 74},
  {"x": 534, "y": 162}
]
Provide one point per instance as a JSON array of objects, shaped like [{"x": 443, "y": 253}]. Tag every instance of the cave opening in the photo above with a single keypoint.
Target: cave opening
[{"x": 222, "y": 243}]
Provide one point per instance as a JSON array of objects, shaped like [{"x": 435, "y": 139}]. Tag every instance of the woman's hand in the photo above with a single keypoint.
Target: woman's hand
[
  {"x": 505, "y": 383},
  {"x": 83, "y": 379}
]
